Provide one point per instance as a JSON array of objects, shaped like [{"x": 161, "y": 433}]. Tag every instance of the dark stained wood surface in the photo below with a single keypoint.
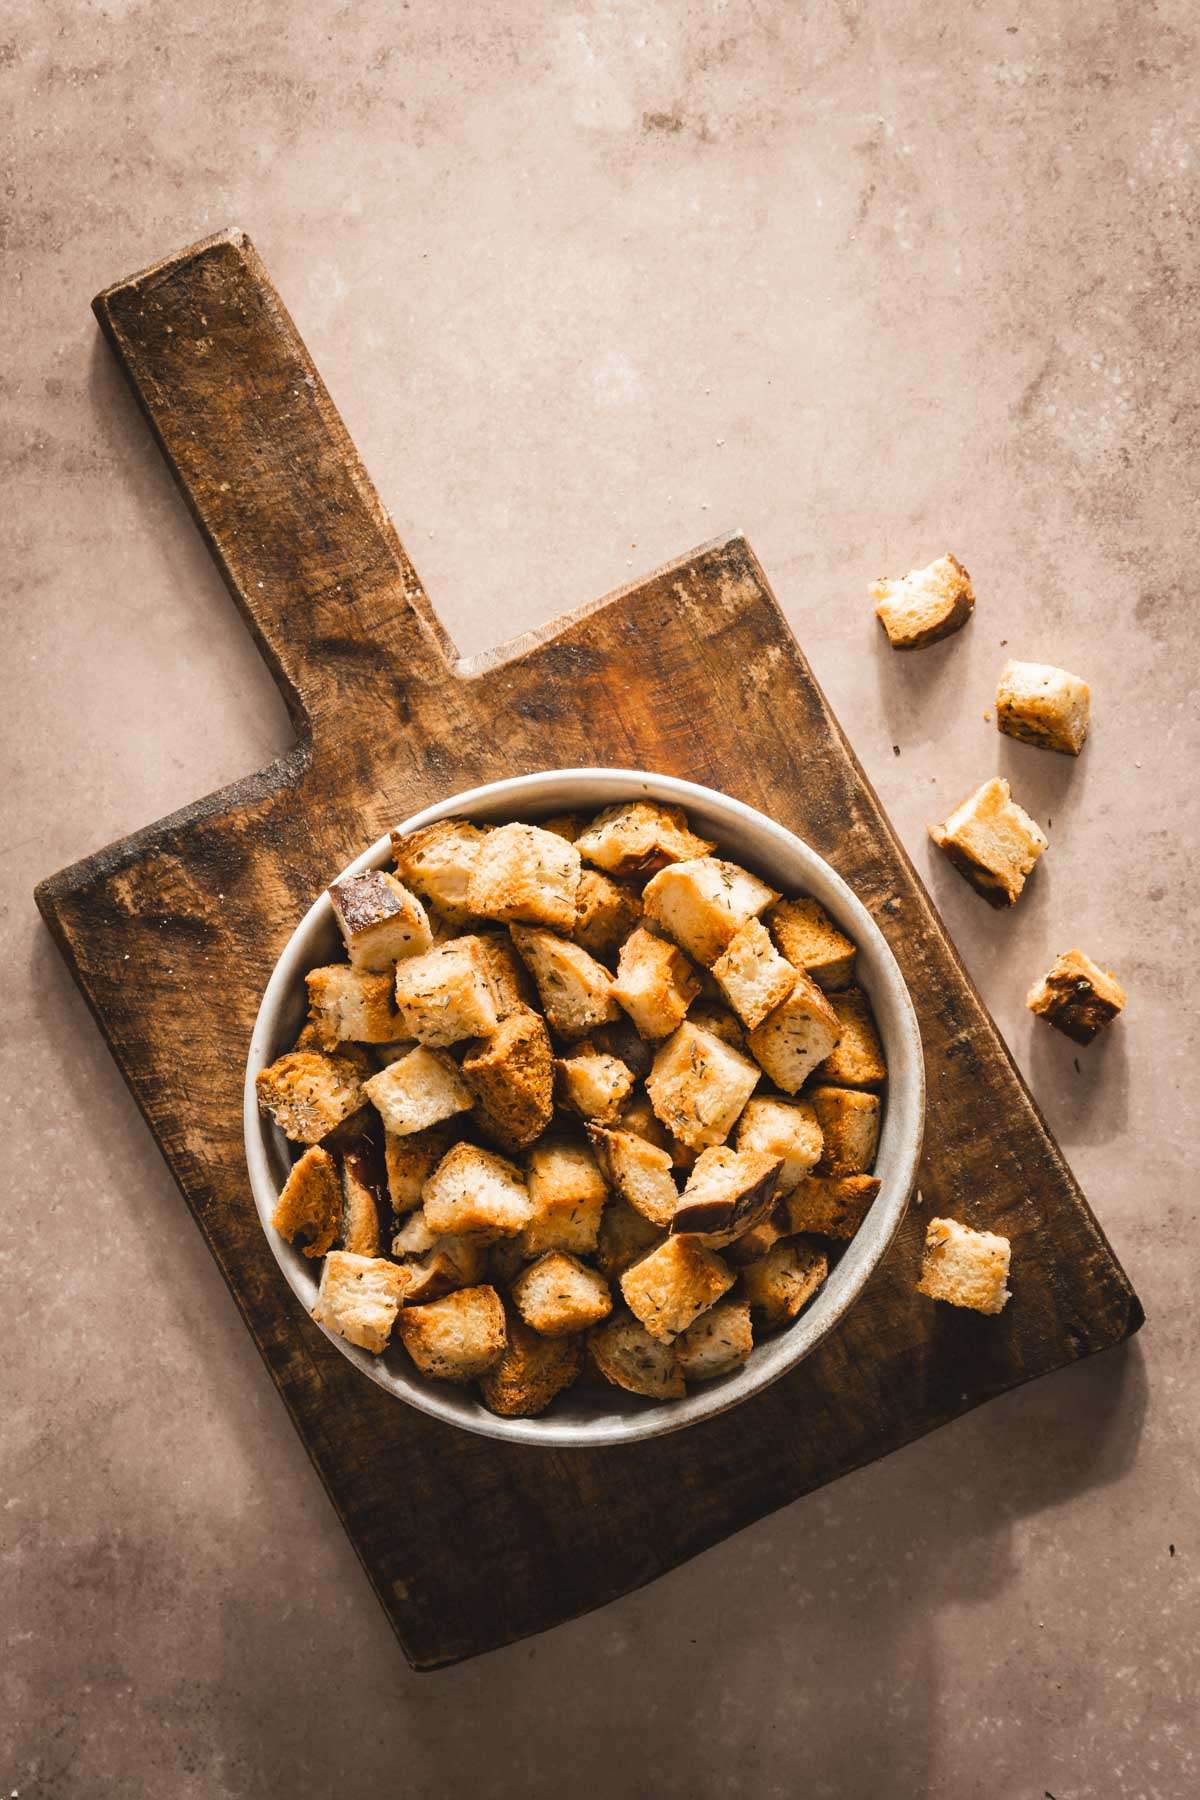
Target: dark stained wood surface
[{"x": 470, "y": 1544}]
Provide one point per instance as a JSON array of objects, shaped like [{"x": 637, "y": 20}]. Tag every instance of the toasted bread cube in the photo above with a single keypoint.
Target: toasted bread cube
[
  {"x": 628, "y": 1357},
  {"x": 965, "y": 1267},
  {"x": 512, "y": 988},
  {"x": 475, "y": 1193},
  {"x": 592, "y": 1084},
  {"x": 309, "y": 1206},
  {"x": 422, "y": 1089},
  {"x": 567, "y": 825},
  {"x": 811, "y": 941},
  {"x": 511, "y": 1074},
  {"x": 359, "y": 1298},
  {"x": 715, "y": 1016},
  {"x": 752, "y": 975},
  {"x": 762, "y": 1236},
  {"x": 457, "y": 1338},
  {"x": 673, "y": 1284},
  {"x": 523, "y": 873},
  {"x": 718, "y": 1343},
  {"x": 308, "y": 1093},
  {"x": 575, "y": 990},
  {"x": 316, "y": 1035},
  {"x": 992, "y": 841},
  {"x": 361, "y": 1205},
  {"x": 784, "y": 1280},
  {"x": 727, "y": 1192},
  {"x": 796, "y": 1037},
  {"x": 624, "y": 1235},
  {"x": 655, "y": 983},
  {"x": 567, "y": 1193},
  {"x": 437, "y": 1265},
  {"x": 410, "y": 1160},
  {"x": 446, "y": 994},
  {"x": 638, "y": 1116},
  {"x": 639, "y": 837},
  {"x": 607, "y": 912},
  {"x": 1077, "y": 996},
  {"x": 831, "y": 1205},
  {"x": 785, "y": 1128},
  {"x": 532, "y": 1371},
  {"x": 380, "y": 921},
  {"x": 639, "y": 1170},
  {"x": 437, "y": 861},
  {"x": 1042, "y": 705},
  {"x": 698, "y": 1086},
  {"x": 856, "y": 1060},
  {"x": 849, "y": 1121},
  {"x": 925, "y": 605},
  {"x": 703, "y": 903},
  {"x": 345, "y": 1002},
  {"x": 558, "y": 1295}
]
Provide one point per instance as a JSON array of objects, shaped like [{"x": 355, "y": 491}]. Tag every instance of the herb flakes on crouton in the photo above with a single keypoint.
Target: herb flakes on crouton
[
  {"x": 607, "y": 912},
  {"x": 511, "y": 1075},
  {"x": 673, "y": 1284},
  {"x": 558, "y": 1295},
  {"x": 527, "y": 875},
  {"x": 784, "y": 1280},
  {"x": 475, "y": 1193},
  {"x": 698, "y": 1086},
  {"x": 719, "y": 1342},
  {"x": 788, "y": 1129},
  {"x": 639, "y": 837},
  {"x": 831, "y": 1205},
  {"x": 655, "y": 983},
  {"x": 856, "y": 1060},
  {"x": 437, "y": 861},
  {"x": 380, "y": 921},
  {"x": 531, "y": 1372},
  {"x": 811, "y": 941},
  {"x": 639, "y": 1170},
  {"x": 628, "y": 1357},
  {"x": 795, "y": 1038},
  {"x": 702, "y": 904},
  {"x": 849, "y": 1121},
  {"x": 1042, "y": 705},
  {"x": 359, "y": 1298},
  {"x": 457, "y": 1338},
  {"x": 446, "y": 994},
  {"x": 308, "y": 1093},
  {"x": 575, "y": 990},
  {"x": 346, "y": 1002},
  {"x": 420, "y": 1090},
  {"x": 752, "y": 975},
  {"x": 567, "y": 1192},
  {"x": 593, "y": 1084}
]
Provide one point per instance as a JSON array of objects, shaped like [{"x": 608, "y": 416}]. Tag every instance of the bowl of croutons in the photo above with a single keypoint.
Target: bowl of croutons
[{"x": 581, "y": 1106}]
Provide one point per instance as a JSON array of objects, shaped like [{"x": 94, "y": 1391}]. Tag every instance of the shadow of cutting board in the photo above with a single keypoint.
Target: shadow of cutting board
[{"x": 693, "y": 671}]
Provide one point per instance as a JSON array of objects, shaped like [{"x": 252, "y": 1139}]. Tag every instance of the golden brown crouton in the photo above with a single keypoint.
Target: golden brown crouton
[
  {"x": 361, "y": 1227},
  {"x": 639, "y": 1170},
  {"x": 793, "y": 1040},
  {"x": 925, "y": 605},
  {"x": 531, "y": 1372},
  {"x": 558, "y": 1295},
  {"x": 811, "y": 941},
  {"x": 512, "y": 988},
  {"x": 715, "y": 1016},
  {"x": 309, "y": 1206},
  {"x": 857, "y": 1058},
  {"x": 475, "y": 1193},
  {"x": 624, "y": 1235},
  {"x": 784, "y": 1128},
  {"x": 638, "y": 1116},
  {"x": 422, "y": 1089},
  {"x": 638, "y": 838},
  {"x": 1040, "y": 704},
  {"x": 752, "y": 975},
  {"x": 628, "y": 1357},
  {"x": 655, "y": 983},
  {"x": 446, "y": 994},
  {"x": 351, "y": 1003},
  {"x": 457, "y": 1338},
  {"x": 831, "y": 1205},
  {"x": 849, "y": 1121},
  {"x": 567, "y": 1193},
  {"x": 359, "y": 1298},
  {"x": 727, "y": 1192},
  {"x": 437, "y": 861},
  {"x": 607, "y": 912},
  {"x": 718, "y": 1343},
  {"x": 699, "y": 1085},
  {"x": 592, "y": 1084},
  {"x": 380, "y": 921},
  {"x": 575, "y": 990},
  {"x": 702, "y": 904},
  {"x": 437, "y": 1265},
  {"x": 308, "y": 1094},
  {"x": 567, "y": 825},
  {"x": 511, "y": 1074},
  {"x": 409, "y": 1160},
  {"x": 965, "y": 1267},
  {"x": 992, "y": 841},
  {"x": 525, "y": 874},
  {"x": 784, "y": 1280},
  {"x": 1077, "y": 996},
  {"x": 673, "y": 1284},
  {"x": 753, "y": 1244}
]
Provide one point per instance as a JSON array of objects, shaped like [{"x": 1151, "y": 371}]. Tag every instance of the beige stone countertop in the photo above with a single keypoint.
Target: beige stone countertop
[{"x": 592, "y": 283}]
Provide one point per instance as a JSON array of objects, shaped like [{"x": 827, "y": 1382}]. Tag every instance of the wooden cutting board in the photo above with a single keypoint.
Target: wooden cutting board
[{"x": 693, "y": 671}]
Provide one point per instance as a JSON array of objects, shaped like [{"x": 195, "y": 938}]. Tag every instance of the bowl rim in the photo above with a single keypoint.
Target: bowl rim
[{"x": 775, "y": 1356}]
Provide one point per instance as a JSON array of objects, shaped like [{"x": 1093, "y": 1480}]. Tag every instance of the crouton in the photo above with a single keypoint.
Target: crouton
[
  {"x": 307, "y": 1093},
  {"x": 639, "y": 838},
  {"x": 436, "y": 1264},
  {"x": 766, "y": 1232},
  {"x": 718, "y": 1343},
  {"x": 362, "y": 1204},
  {"x": 422, "y": 1089},
  {"x": 784, "y": 1280},
  {"x": 532, "y": 1370},
  {"x": 638, "y": 1116},
  {"x": 1077, "y": 996},
  {"x": 727, "y": 1192},
  {"x": 1042, "y": 705},
  {"x": 796, "y": 1037},
  {"x": 856, "y": 1060},
  {"x": 457, "y": 1338},
  {"x": 624, "y": 1235},
  {"x": 567, "y": 1192},
  {"x": 359, "y": 1298},
  {"x": 702, "y": 903},
  {"x": 351, "y": 1003},
  {"x": 640, "y": 1171},
  {"x": 438, "y": 861},
  {"x": 811, "y": 941},
  {"x": 382, "y": 1055},
  {"x": 628, "y": 1357},
  {"x": 593, "y": 1085},
  {"x": 511, "y": 1074},
  {"x": 831, "y": 1205},
  {"x": 715, "y": 1016},
  {"x": 475, "y": 1193},
  {"x": 558, "y": 1295},
  {"x": 924, "y": 605},
  {"x": 849, "y": 1121},
  {"x": 512, "y": 988},
  {"x": 655, "y": 983},
  {"x": 409, "y": 1160},
  {"x": 309, "y": 1206},
  {"x": 965, "y": 1267},
  {"x": 446, "y": 994},
  {"x": 523, "y": 873},
  {"x": 621, "y": 1038},
  {"x": 673, "y": 1284},
  {"x": 566, "y": 825},
  {"x": 575, "y": 990},
  {"x": 505, "y": 1260},
  {"x": 785, "y": 1128},
  {"x": 380, "y": 921},
  {"x": 606, "y": 913},
  {"x": 699, "y": 1085},
  {"x": 992, "y": 841},
  {"x": 752, "y": 975}
]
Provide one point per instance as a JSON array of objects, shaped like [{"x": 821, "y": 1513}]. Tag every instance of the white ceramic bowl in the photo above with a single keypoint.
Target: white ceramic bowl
[{"x": 746, "y": 836}]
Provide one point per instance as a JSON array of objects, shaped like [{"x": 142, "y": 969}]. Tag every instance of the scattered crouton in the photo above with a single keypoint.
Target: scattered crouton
[
  {"x": 788, "y": 1129},
  {"x": 607, "y": 912},
  {"x": 752, "y": 975},
  {"x": 624, "y": 1235},
  {"x": 380, "y": 921},
  {"x": 308, "y": 1093},
  {"x": 345, "y": 1002},
  {"x": 831, "y": 1205},
  {"x": 640, "y": 1171},
  {"x": 796, "y": 1037},
  {"x": 575, "y": 990},
  {"x": 446, "y": 994},
  {"x": 784, "y": 1280},
  {"x": 1077, "y": 996},
  {"x": 525, "y": 874},
  {"x": 698, "y": 1086},
  {"x": 592, "y": 1084},
  {"x": 475, "y": 1193},
  {"x": 965, "y": 1267},
  {"x": 628, "y": 1357},
  {"x": 511, "y": 1074},
  {"x": 531, "y": 1372},
  {"x": 359, "y": 1298},
  {"x": 567, "y": 1192},
  {"x": 925, "y": 605},
  {"x": 811, "y": 941},
  {"x": 558, "y": 1295},
  {"x": 702, "y": 903},
  {"x": 992, "y": 841},
  {"x": 857, "y": 1059},
  {"x": 639, "y": 837},
  {"x": 655, "y": 983},
  {"x": 673, "y": 1284},
  {"x": 727, "y": 1192},
  {"x": 309, "y": 1206},
  {"x": 719, "y": 1342},
  {"x": 437, "y": 861},
  {"x": 849, "y": 1121},
  {"x": 457, "y": 1338},
  {"x": 1040, "y": 704},
  {"x": 422, "y": 1089}
]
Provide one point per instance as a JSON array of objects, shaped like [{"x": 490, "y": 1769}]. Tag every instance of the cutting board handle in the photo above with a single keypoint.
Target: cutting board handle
[{"x": 272, "y": 479}]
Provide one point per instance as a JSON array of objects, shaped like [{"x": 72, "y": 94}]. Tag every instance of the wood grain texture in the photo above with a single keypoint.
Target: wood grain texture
[{"x": 469, "y": 1543}]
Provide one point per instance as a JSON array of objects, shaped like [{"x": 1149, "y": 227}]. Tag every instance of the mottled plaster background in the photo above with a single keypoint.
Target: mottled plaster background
[{"x": 591, "y": 285}]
